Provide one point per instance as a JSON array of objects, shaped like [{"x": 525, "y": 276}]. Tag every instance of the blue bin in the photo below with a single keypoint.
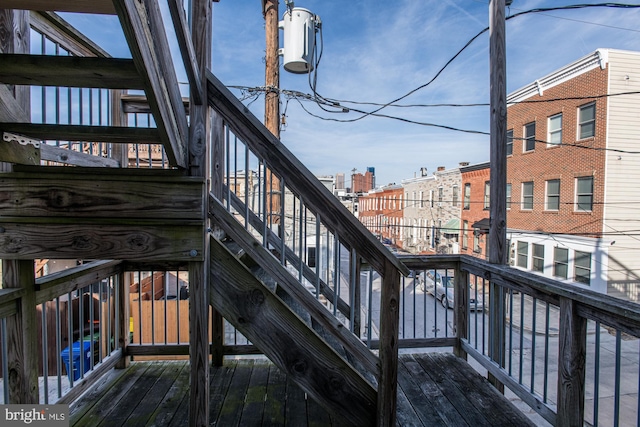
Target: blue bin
[{"x": 85, "y": 354}]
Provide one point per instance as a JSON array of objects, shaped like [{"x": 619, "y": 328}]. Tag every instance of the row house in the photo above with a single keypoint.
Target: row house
[
  {"x": 381, "y": 211},
  {"x": 572, "y": 168},
  {"x": 432, "y": 212},
  {"x": 475, "y": 209}
]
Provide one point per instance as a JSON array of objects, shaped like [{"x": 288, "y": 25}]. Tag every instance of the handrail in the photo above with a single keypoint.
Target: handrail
[{"x": 299, "y": 178}]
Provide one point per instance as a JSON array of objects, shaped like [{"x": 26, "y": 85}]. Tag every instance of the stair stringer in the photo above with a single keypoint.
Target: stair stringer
[{"x": 287, "y": 341}]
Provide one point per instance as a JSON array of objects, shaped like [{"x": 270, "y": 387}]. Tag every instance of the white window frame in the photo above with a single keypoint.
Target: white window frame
[
  {"x": 577, "y": 195},
  {"x": 508, "y": 195},
  {"x": 537, "y": 258},
  {"x": 582, "y": 123},
  {"x": 522, "y": 201},
  {"x": 548, "y": 195},
  {"x": 526, "y": 138},
  {"x": 554, "y": 132}
]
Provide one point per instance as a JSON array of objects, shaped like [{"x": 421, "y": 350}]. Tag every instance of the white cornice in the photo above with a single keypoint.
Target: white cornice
[{"x": 599, "y": 58}]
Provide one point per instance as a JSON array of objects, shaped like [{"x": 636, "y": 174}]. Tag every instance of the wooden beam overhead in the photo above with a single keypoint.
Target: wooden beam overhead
[
  {"x": 84, "y": 6},
  {"x": 69, "y": 71},
  {"x": 117, "y": 135},
  {"x": 142, "y": 25}
]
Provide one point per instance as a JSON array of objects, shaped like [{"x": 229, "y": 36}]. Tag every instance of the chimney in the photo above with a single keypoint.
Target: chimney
[
  {"x": 463, "y": 164},
  {"x": 423, "y": 171},
  {"x": 441, "y": 168}
]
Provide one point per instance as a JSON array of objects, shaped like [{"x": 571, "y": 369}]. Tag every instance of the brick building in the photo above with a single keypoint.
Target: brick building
[
  {"x": 360, "y": 183},
  {"x": 474, "y": 216},
  {"x": 568, "y": 191},
  {"x": 381, "y": 211}
]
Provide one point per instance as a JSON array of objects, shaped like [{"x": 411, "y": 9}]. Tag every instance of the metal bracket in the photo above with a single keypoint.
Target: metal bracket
[{"x": 21, "y": 139}]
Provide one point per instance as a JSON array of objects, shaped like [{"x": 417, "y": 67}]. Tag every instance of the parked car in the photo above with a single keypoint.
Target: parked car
[{"x": 441, "y": 287}]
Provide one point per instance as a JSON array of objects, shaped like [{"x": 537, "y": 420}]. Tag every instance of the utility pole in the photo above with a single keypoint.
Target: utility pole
[{"x": 272, "y": 98}]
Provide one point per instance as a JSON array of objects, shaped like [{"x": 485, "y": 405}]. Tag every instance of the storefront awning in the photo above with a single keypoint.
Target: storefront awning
[{"x": 452, "y": 227}]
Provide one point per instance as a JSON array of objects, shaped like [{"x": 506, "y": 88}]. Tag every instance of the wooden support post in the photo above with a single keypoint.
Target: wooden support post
[
  {"x": 389, "y": 329},
  {"x": 120, "y": 152},
  {"x": 571, "y": 367},
  {"x": 461, "y": 315},
  {"x": 199, "y": 139},
  {"x": 498, "y": 180},
  {"x": 14, "y": 28},
  {"x": 22, "y": 333},
  {"x": 356, "y": 303},
  {"x": 123, "y": 318}
]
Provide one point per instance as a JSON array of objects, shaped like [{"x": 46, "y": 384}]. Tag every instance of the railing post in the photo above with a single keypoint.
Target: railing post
[
  {"x": 123, "y": 318},
  {"x": 120, "y": 152},
  {"x": 571, "y": 364},
  {"x": 461, "y": 313},
  {"x": 356, "y": 293},
  {"x": 498, "y": 160},
  {"x": 22, "y": 333},
  {"x": 389, "y": 329}
]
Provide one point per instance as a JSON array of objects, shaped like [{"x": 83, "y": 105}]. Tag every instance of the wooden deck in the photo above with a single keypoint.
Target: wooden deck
[{"x": 435, "y": 389}]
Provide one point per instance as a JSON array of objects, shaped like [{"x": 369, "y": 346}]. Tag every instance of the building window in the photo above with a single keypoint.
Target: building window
[
  {"x": 561, "y": 262},
  {"x": 582, "y": 267},
  {"x": 584, "y": 194},
  {"x": 487, "y": 194},
  {"x": 530, "y": 136},
  {"x": 587, "y": 121},
  {"x": 555, "y": 130},
  {"x": 422, "y": 199},
  {"x": 538, "y": 258},
  {"x": 476, "y": 241},
  {"x": 509, "y": 142},
  {"x": 465, "y": 234},
  {"x": 455, "y": 190},
  {"x": 527, "y": 195},
  {"x": 440, "y": 195},
  {"x": 553, "y": 195},
  {"x": 467, "y": 196},
  {"x": 508, "y": 196},
  {"x": 523, "y": 254}
]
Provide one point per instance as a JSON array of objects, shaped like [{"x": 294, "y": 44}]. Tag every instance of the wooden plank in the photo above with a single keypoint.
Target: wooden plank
[
  {"x": 22, "y": 334},
  {"x": 92, "y": 195},
  {"x": 317, "y": 197},
  {"x": 187, "y": 50},
  {"x": 572, "y": 352},
  {"x": 388, "y": 353},
  {"x": 291, "y": 286},
  {"x": 69, "y": 71},
  {"x": 172, "y": 399},
  {"x": 62, "y": 282},
  {"x": 12, "y": 151},
  {"x": 9, "y": 298},
  {"x": 430, "y": 406},
  {"x": 83, "y": 6},
  {"x": 461, "y": 298},
  {"x": 10, "y": 108},
  {"x": 60, "y": 31},
  {"x": 154, "y": 394},
  {"x": 254, "y": 401},
  {"x": 145, "y": 35},
  {"x": 231, "y": 411},
  {"x": 149, "y": 240},
  {"x": 296, "y": 409},
  {"x": 81, "y": 406},
  {"x": 158, "y": 350},
  {"x": 275, "y": 398},
  {"x": 114, "y": 134},
  {"x": 139, "y": 104},
  {"x": 288, "y": 342},
  {"x": 75, "y": 158},
  {"x": 220, "y": 381}
]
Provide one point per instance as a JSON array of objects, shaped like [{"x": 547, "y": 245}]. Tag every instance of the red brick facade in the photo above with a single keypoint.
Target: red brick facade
[
  {"x": 565, "y": 163},
  {"x": 474, "y": 177},
  {"x": 382, "y": 213},
  {"x": 362, "y": 183}
]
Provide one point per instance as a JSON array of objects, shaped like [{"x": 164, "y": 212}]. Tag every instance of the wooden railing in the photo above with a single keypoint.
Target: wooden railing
[
  {"x": 571, "y": 354},
  {"x": 300, "y": 214}
]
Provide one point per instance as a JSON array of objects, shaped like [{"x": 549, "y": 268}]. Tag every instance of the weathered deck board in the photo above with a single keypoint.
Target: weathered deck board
[{"x": 434, "y": 389}]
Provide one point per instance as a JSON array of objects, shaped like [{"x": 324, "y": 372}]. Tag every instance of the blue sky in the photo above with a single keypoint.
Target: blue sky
[{"x": 378, "y": 51}]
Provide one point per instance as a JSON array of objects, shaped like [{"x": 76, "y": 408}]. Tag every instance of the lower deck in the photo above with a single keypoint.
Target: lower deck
[{"x": 434, "y": 389}]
